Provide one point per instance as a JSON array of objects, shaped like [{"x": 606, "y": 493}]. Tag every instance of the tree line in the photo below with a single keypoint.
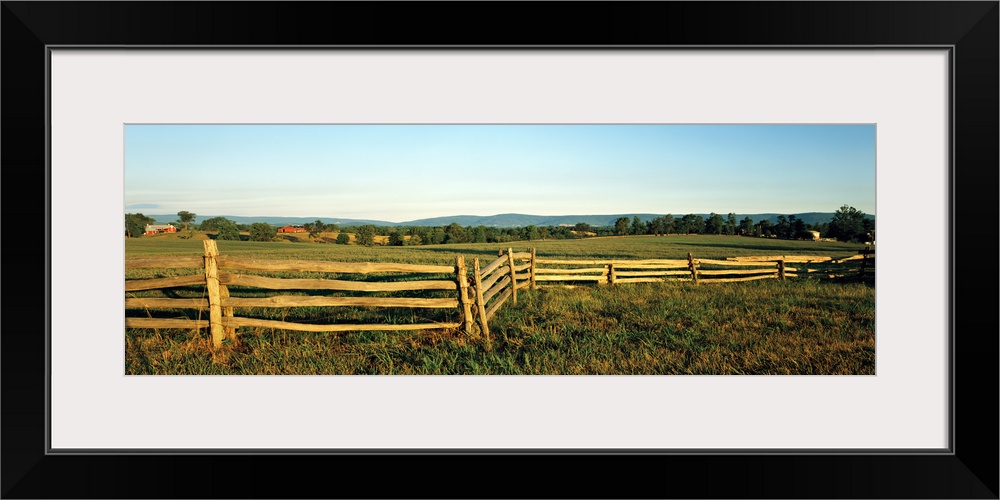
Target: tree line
[
  {"x": 225, "y": 229},
  {"x": 848, "y": 224}
]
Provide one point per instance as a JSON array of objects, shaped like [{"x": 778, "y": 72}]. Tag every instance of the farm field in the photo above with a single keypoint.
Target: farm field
[
  {"x": 625, "y": 247},
  {"x": 796, "y": 326}
]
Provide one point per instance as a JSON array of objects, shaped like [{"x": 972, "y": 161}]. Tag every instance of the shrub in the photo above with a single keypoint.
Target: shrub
[
  {"x": 213, "y": 223},
  {"x": 395, "y": 239},
  {"x": 227, "y": 230},
  {"x": 262, "y": 231}
]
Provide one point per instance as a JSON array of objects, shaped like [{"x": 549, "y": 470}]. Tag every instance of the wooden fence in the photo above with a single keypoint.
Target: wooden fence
[
  {"x": 732, "y": 269},
  {"x": 861, "y": 265},
  {"x": 223, "y": 322},
  {"x": 475, "y": 303},
  {"x": 500, "y": 280}
]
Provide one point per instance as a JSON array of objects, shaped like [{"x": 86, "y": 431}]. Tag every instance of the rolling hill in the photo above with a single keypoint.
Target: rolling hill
[{"x": 499, "y": 220}]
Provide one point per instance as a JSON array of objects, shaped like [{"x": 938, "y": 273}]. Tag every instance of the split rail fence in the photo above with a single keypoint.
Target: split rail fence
[
  {"x": 222, "y": 321},
  {"x": 475, "y": 302},
  {"x": 499, "y": 281},
  {"x": 732, "y": 269}
]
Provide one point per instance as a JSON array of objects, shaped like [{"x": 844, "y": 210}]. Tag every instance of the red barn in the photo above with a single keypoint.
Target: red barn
[
  {"x": 160, "y": 228},
  {"x": 292, "y": 229}
]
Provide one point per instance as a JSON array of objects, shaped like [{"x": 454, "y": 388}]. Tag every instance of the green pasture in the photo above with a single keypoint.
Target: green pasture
[{"x": 627, "y": 247}]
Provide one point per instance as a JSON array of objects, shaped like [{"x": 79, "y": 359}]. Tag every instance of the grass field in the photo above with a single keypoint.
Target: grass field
[{"x": 797, "y": 326}]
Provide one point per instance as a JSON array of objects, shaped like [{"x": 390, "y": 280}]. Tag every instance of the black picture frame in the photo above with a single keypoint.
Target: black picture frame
[{"x": 970, "y": 470}]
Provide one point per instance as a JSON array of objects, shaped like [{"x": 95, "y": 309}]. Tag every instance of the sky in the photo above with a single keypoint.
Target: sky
[{"x": 398, "y": 173}]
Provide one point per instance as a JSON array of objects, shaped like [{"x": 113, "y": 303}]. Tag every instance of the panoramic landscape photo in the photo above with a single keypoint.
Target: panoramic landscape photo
[{"x": 499, "y": 249}]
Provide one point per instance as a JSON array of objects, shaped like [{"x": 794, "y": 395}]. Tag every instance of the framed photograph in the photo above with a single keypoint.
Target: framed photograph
[{"x": 99, "y": 95}]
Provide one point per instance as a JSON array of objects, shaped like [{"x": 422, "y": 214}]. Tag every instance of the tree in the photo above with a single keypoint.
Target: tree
[
  {"x": 582, "y": 227},
  {"x": 764, "y": 228},
  {"x": 790, "y": 231},
  {"x": 135, "y": 224},
  {"x": 395, "y": 239},
  {"x": 343, "y": 238},
  {"x": 731, "y": 224},
  {"x": 800, "y": 231},
  {"x": 668, "y": 224},
  {"x": 621, "y": 226},
  {"x": 435, "y": 236},
  {"x": 455, "y": 233},
  {"x": 479, "y": 234},
  {"x": 366, "y": 235},
  {"x": 530, "y": 232},
  {"x": 715, "y": 224},
  {"x": 848, "y": 224},
  {"x": 687, "y": 224},
  {"x": 782, "y": 227},
  {"x": 656, "y": 226},
  {"x": 746, "y": 226},
  {"x": 418, "y": 235},
  {"x": 315, "y": 228},
  {"x": 262, "y": 231},
  {"x": 637, "y": 226},
  {"x": 212, "y": 224},
  {"x": 869, "y": 228},
  {"x": 185, "y": 218},
  {"x": 227, "y": 230}
]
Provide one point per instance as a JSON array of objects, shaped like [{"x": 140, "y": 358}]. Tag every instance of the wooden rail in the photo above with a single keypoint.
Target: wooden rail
[
  {"x": 499, "y": 281},
  {"x": 818, "y": 266},
  {"x": 733, "y": 269},
  {"x": 475, "y": 301},
  {"x": 220, "y": 272}
]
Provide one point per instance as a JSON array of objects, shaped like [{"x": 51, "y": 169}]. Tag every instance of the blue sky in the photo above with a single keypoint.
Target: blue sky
[{"x": 404, "y": 172}]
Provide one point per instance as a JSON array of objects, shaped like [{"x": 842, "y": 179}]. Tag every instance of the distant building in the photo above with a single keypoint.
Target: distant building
[
  {"x": 815, "y": 235},
  {"x": 292, "y": 229},
  {"x": 160, "y": 228}
]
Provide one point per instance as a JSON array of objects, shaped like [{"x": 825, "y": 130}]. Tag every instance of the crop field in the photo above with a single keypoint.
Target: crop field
[{"x": 796, "y": 326}]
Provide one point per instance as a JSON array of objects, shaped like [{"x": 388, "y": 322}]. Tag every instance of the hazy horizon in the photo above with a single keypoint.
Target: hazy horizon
[
  {"x": 398, "y": 173},
  {"x": 676, "y": 215}
]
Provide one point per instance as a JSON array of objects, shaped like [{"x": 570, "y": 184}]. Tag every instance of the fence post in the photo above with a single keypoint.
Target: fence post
[
  {"x": 781, "y": 269},
  {"x": 480, "y": 306},
  {"x": 864, "y": 261},
  {"x": 227, "y": 312},
  {"x": 513, "y": 276},
  {"x": 214, "y": 294},
  {"x": 533, "y": 268},
  {"x": 692, "y": 268},
  {"x": 611, "y": 274},
  {"x": 463, "y": 293}
]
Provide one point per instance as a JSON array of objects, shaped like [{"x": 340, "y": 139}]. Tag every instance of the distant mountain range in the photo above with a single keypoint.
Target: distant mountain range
[{"x": 499, "y": 220}]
